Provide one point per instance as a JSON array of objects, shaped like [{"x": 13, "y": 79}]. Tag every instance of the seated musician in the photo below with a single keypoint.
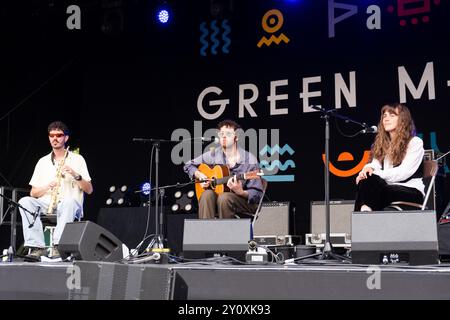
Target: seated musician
[
  {"x": 395, "y": 172},
  {"x": 63, "y": 197},
  {"x": 244, "y": 195}
]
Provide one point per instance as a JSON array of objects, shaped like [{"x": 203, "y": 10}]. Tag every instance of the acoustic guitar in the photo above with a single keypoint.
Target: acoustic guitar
[{"x": 219, "y": 176}]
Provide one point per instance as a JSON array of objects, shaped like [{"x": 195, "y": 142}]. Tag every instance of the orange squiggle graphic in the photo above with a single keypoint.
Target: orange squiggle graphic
[{"x": 272, "y": 39}]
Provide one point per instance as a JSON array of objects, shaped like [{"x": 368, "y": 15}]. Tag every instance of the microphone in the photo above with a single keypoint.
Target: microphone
[
  {"x": 35, "y": 215},
  {"x": 372, "y": 129}
]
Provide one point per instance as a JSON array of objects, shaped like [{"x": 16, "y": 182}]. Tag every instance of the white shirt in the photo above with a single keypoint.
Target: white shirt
[
  {"x": 409, "y": 165},
  {"x": 45, "y": 172}
]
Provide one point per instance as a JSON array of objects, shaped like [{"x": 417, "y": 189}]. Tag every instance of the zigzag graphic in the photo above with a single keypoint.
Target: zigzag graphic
[
  {"x": 205, "y": 33},
  {"x": 268, "y": 149},
  {"x": 213, "y": 37},
  {"x": 283, "y": 167},
  {"x": 269, "y": 41},
  {"x": 225, "y": 37}
]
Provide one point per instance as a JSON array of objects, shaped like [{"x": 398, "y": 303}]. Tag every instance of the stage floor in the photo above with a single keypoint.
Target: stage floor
[{"x": 316, "y": 280}]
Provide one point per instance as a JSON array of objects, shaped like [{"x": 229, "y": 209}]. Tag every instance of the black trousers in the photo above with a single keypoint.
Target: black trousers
[{"x": 377, "y": 194}]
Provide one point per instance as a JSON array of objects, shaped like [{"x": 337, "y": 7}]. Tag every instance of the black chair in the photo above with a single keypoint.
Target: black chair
[
  {"x": 49, "y": 224},
  {"x": 254, "y": 215},
  {"x": 430, "y": 169}
]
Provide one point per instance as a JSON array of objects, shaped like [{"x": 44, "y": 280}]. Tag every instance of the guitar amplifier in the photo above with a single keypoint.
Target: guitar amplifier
[
  {"x": 340, "y": 216},
  {"x": 275, "y": 219}
]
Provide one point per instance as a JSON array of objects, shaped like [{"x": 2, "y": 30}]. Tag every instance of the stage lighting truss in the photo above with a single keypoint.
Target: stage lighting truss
[
  {"x": 184, "y": 201},
  {"x": 118, "y": 196}
]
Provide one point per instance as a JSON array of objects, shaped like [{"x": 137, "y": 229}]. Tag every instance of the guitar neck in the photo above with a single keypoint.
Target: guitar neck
[{"x": 224, "y": 180}]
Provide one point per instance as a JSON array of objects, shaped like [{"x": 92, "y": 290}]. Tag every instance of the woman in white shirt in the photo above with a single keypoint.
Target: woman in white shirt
[{"x": 395, "y": 172}]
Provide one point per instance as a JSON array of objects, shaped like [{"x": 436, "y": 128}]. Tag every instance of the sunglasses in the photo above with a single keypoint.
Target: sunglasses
[
  {"x": 58, "y": 135},
  {"x": 225, "y": 134}
]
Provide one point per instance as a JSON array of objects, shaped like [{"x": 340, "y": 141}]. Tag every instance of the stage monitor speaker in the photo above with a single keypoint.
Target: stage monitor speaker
[
  {"x": 275, "y": 218},
  {"x": 88, "y": 241},
  {"x": 340, "y": 216},
  {"x": 444, "y": 240},
  {"x": 388, "y": 237},
  {"x": 205, "y": 238}
]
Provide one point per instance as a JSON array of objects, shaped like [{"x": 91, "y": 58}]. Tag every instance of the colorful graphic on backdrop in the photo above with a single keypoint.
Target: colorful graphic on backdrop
[
  {"x": 415, "y": 10},
  {"x": 215, "y": 41},
  {"x": 272, "y": 21},
  {"x": 347, "y": 156},
  {"x": 277, "y": 165},
  {"x": 350, "y": 10}
]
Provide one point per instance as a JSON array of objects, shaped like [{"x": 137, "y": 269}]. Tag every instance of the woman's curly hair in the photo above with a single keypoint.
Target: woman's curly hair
[{"x": 395, "y": 150}]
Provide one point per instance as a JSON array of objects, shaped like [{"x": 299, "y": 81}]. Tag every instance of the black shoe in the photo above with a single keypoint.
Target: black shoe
[
  {"x": 55, "y": 253},
  {"x": 35, "y": 254}
]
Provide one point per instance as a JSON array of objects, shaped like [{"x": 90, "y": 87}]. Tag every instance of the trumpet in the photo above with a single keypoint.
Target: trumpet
[{"x": 55, "y": 191}]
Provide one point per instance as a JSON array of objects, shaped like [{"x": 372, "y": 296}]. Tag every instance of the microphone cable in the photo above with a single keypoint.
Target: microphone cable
[{"x": 343, "y": 133}]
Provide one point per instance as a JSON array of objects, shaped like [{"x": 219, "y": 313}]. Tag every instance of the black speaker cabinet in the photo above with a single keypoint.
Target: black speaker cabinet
[
  {"x": 444, "y": 240},
  {"x": 275, "y": 218},
  {"x": 388, "y": 237},
  {"x": 128, "y": 224},
  {"x": 208, "y": 237},
  {"x": 88, "y": 241}
]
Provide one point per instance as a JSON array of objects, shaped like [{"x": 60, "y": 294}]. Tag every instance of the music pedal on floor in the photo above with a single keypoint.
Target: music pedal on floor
[
  {"x": 280, "y": 248},
  {"x": 256, "y": 254},
  {"x": 272, "y": 240},
  {"x": 339, "y": 240},
  {"x": 160, "y": 255}
]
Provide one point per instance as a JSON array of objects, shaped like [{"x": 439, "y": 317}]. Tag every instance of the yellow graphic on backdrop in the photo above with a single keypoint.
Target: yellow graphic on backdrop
[{"x": 272, "y": 21}]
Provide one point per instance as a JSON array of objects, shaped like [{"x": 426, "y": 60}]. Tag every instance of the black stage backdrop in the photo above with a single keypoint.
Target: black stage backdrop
[{"x": 261, "y": 63}]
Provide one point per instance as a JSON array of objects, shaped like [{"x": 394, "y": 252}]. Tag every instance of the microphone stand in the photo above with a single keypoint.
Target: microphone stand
[
  {"x": 327, "y": 252},
  {"x": 157, "y": 242},
  {"x": 158, "y": 239},
  {"x": 15, "y": 205},
  {"x": 161, "y": 191},
  {"x": 339, "y": 116}
]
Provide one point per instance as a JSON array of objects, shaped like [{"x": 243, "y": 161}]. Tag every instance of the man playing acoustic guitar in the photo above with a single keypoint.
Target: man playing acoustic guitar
[{"x": 244, "y": 194}]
